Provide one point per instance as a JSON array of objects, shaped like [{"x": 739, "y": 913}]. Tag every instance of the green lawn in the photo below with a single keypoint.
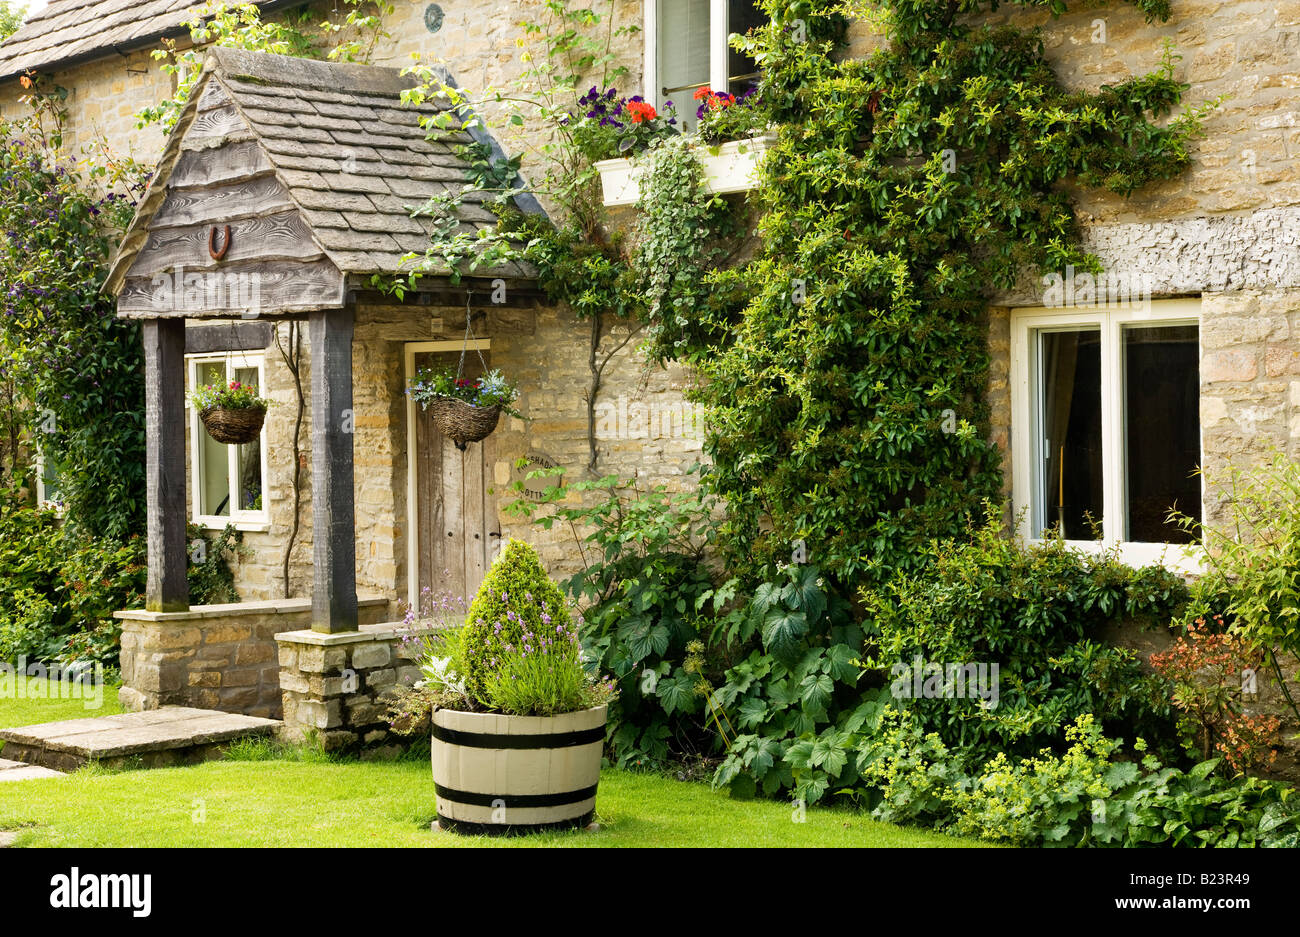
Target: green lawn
[
  {"x": 301, "y": 798},
  {"x": 38, "y": 702}
]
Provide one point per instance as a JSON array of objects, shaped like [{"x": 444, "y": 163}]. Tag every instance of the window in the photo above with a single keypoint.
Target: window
[
  {"x": 687, "y": 49},
  {"x": 227, "y": 481},
  {"x": 1106, "y": 434},
  {"x": 49, "y": 491}
]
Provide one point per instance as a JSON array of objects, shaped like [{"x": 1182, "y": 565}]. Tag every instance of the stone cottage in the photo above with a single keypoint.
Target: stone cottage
[{"x": 1201, "y": 301}]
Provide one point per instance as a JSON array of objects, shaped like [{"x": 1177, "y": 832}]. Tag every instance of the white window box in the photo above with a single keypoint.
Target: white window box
[{"x": 730, "y": 167}]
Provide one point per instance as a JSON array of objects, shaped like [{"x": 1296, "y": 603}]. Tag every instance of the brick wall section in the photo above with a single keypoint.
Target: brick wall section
[
  {"x": 212, "y": 657},
  {"x": 336, "y": 688}
]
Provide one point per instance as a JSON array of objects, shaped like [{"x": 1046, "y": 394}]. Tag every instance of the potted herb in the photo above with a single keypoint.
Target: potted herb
[
  {"x": 517, "y": 720},
  {"x": 231, "y": 413},
  {"x": 465, "y": 409}
]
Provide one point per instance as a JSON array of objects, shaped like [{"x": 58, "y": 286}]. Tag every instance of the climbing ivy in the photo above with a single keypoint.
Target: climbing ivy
[{"x": 846, "y": 365}]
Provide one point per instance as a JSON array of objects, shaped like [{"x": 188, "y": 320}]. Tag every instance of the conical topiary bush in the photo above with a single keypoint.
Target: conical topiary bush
[{"x": 517, "y": 598}]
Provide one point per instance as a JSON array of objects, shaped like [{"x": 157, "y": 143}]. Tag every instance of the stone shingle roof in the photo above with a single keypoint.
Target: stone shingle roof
[
  {"x": 352, "y": 157},
  {"x": 70, "y": 31}
]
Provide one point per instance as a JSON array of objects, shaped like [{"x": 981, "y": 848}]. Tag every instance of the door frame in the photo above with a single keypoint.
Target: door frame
[{"x": 409, "y": 351}]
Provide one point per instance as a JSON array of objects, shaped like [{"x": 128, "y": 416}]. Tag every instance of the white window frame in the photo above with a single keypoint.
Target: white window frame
[
  {"x": 718, "y": 34},
  {"x": 41, "y": 494},
  {"x": 238, "y": 518},
  {"x": 1026, "y": 323}
]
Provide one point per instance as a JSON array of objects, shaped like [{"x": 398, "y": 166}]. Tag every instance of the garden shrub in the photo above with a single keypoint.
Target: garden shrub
[
  {"x": 1253, "y": 580},
  {"x": 1093, "y": 794},
  {"x": 516, "y": 597},
  {"x": 61, "y": 588},
  {"x": 1037, "y": 612}
]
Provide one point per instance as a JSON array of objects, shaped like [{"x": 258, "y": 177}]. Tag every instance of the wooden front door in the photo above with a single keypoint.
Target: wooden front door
[{"x": 456, "y": 516}]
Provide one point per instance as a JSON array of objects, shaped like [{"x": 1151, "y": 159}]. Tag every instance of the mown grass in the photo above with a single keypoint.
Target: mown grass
[
  {"x": 269, "y": 795},
  {"x": 33, "y": 700}
]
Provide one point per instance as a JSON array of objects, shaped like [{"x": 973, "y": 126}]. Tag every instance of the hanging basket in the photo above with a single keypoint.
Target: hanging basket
[
  {"x": 461, "y": 421},
  {"x": 233, "y": 427}
]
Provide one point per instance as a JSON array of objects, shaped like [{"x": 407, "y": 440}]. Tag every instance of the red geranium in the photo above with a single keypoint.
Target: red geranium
[{"x": 641, "y": 111}]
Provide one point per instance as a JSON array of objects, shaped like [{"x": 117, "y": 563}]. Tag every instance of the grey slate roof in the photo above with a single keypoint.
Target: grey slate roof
[
  {"x": 354, "y": 159},
  {"x": 68, "y": 31}
]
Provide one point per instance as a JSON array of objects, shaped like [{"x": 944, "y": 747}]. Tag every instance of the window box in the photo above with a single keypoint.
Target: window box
[{"x": 730, "y": 167}]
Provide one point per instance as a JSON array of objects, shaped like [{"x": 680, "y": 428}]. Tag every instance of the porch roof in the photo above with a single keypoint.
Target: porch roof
[
  {"x": 66, "y": 32},
  {"x": 344, "y": 150}
]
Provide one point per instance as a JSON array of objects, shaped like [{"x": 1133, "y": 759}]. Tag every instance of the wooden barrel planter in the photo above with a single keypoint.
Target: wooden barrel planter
[
  {"x": 234, "y": 427},
  {"x": 461, "y": 421},
  {"x": 501, "y": 774}
]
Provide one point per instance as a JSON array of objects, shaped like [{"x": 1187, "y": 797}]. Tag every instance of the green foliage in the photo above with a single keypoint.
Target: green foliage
[
  {"x": 71, "y": 373},
  {"x": 11, "y": 17},
  {"x": 648, "y": 594},
  {"x": 240, "y": 26},
  {"x": 678, "y": 239},
  {"x": 840, "y": 352},
  {"x": 1038, "y": 613},
  {"x": 1254, "y": 557},
  {"x": 62, "y": 586},
  {"x": 211, "y": 580},
  {"x": 489, "y": 390},
  {"x": 232, "y": 396},
  {"x": 1090, "y": 795},
  {"x": 515, "y": 599}
]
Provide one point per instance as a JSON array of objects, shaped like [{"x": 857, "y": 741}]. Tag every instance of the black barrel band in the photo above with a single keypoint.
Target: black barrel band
[
  {"x": 511, "y": 829},
  {"x": 516, "y": 800},
  {"x": 484, "y": 740}
]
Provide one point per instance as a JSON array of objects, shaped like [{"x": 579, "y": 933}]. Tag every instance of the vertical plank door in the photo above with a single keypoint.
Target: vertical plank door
[{"x": 455, "y": 514}]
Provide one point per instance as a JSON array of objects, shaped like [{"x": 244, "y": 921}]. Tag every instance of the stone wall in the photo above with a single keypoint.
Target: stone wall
[
  {"x": 336, "y": 687},
  {"x": 213, "y": 656}
]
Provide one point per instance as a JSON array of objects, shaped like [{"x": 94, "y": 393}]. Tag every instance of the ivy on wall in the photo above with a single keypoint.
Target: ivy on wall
[{"x": 845, "y": 367}]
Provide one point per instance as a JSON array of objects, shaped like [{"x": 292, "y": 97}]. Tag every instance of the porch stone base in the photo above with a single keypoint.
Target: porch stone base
[
  {"x": 337, "y": 686},
  {"x": 219, "y": 657}
]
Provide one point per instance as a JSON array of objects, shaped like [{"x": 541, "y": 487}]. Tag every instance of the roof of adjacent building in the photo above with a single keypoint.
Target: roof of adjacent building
[
  {"x": 69, "y": 31},
  {"x": 353, "y": 158}
]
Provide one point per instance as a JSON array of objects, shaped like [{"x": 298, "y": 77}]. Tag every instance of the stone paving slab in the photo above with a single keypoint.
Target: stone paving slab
[
  {"x": 28, "y": 773},
  {"x": 127, "y": 734}
]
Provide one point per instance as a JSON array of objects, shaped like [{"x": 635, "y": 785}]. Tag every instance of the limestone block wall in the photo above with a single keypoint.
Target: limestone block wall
[
  {"x": 214, "y": 656},
  {"x": 644, "y": 429},
  {"x": 336, "y": 687}
]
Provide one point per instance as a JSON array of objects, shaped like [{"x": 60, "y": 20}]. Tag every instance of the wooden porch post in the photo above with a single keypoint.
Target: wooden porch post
[
  {"x": 166, "y": 588},
  {"x": 334, "y": 587}
]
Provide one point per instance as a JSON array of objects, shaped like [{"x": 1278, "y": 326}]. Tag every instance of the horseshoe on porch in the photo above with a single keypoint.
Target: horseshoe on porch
[{"x": 212, "y": 244}]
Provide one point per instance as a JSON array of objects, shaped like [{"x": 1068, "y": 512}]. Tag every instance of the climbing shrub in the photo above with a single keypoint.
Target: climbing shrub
[
  {"x": 71, "y": 371},
  {"x": 845, "y": 378}
]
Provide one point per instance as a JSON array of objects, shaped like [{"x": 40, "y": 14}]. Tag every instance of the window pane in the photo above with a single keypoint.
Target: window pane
[
  {"x": 250, "y": 457},
  {"x": 683, "y": 53},
  {"x": 1069, "y": 434},
  {"x": 214, "y": 461},
  {"x": 1162, "y": 431},
  {"x": 742, "y": 72}
]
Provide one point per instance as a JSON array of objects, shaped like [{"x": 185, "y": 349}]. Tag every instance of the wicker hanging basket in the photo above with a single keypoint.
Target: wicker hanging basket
[
  {"x": 233, "y": 427},
  {"x": 461, "y": 421}
]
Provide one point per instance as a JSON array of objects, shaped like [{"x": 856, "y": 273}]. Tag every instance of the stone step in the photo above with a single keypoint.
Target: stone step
[
  {"x": 17, "y": 771},
  {"x": 172, "y": 735}
]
